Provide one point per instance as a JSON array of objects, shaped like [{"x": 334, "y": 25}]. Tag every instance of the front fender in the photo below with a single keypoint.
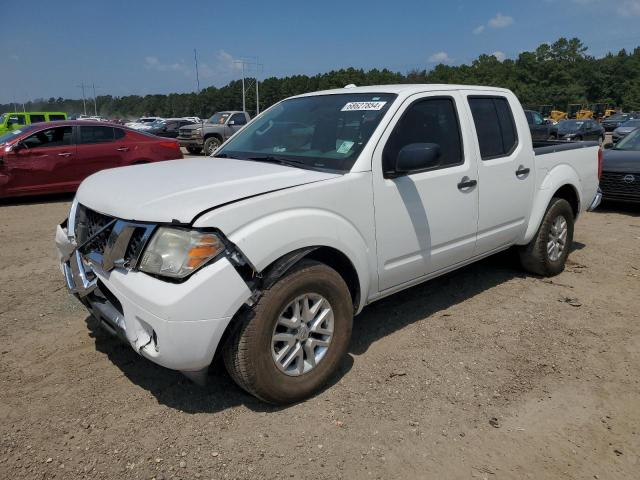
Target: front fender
[
  {"x": 555, "y": 179},
  {"x": 265, "y": 240}
]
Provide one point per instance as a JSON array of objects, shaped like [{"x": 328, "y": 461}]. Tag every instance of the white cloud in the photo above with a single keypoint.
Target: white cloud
[
  {"x": 440, "y": 57},
  {"x": 500, "y": 21},
  {"x": 501, "y": 56},
  {"x": 629, "y": 8},
  {"x": 221, "y": 68},
  {"x": 154, "y": 63}
]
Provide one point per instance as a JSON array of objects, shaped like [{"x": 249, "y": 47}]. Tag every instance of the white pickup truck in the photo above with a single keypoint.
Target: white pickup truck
[{"x": 321, "y": 205}]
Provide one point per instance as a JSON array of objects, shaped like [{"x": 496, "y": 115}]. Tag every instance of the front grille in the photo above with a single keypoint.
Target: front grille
[
  {"x": 620, "y": 185},
  {"x": 185, "y": 133},
  {"x": 97, "y": 235},
  {"x": 89, "y": 223}
]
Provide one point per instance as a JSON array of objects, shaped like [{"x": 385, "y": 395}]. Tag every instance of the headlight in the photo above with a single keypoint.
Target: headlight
[
  {"x": 176, "y": 253},
  {"x": 199, "y": 132}
]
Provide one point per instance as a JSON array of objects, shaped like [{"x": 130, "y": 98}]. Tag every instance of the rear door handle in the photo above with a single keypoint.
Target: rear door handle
[
  {"x": 466, "y": 182},
  {"x": 64, "y": 154},
  {"x": 123, "y": 149},
  {"x": 522, "y": 171}
]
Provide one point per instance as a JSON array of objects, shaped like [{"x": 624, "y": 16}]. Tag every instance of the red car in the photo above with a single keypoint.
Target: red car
[{"x": 55, "y": 157}]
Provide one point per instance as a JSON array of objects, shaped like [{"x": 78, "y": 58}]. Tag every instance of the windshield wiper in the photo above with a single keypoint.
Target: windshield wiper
[{"x": 279, "y": 160}]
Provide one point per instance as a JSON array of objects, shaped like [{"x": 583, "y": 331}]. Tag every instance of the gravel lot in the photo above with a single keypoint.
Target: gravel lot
[{"x": 486, "y": 373}]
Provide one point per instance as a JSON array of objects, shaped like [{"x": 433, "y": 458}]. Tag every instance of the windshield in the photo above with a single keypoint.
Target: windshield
[
  {"x": 570, "y": 125},
  {"x": 7, "y": 137},
  {"x": 630, "y": 142},
  {"x": 3, "y": 118},
  {"x": 323, "y": 132},
  {"x": 631, "y": 124},
  {"x": 219, "y": 118},
  {"x": 618, "y": 117}
]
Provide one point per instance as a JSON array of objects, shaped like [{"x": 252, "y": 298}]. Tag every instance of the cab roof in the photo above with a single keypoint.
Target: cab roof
[{"x": 405, "y": 89}]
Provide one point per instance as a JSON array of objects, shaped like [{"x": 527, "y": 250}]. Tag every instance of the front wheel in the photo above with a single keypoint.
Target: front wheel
[
  {"x": 289, "y": 344},
  {"x": 547, "y": 253},
  {"x": 211, "y": 144}
]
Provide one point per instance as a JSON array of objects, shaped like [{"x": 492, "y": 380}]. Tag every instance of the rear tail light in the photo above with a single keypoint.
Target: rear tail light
[{"x": 599, "y": 162}]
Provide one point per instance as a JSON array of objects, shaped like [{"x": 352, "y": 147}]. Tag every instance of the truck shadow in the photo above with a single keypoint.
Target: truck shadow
[{"x": 419, "y": 303}]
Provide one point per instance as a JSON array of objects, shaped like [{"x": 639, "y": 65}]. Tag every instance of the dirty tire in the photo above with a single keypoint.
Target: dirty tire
[
  {"x": 211, "y": 144},
  {"x": 247, "y": 353},
  {"x": 194, "y": 150},
  {"x": 534, "y": 257}
]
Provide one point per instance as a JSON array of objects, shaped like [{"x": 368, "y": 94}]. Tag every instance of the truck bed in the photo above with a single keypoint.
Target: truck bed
[{"x": 544, "y": 147}]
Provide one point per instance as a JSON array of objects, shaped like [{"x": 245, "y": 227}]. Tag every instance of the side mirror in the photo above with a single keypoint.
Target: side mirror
[
  {"x": 418, "y": 156},
  {"x": 608, "y": 145}
]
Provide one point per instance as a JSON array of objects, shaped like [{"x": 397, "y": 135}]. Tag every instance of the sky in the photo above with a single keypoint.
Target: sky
[{"x": 48, "y": 48}]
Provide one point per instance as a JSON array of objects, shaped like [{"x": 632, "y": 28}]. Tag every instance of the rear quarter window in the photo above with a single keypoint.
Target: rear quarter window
[{"x": 495, "y": 126}]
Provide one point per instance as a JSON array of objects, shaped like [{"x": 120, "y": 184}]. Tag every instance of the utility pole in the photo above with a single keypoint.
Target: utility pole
[
  {"x": 84, "y": 100},
  {"x": 195, "y": 59},
  {"x": 95, "y": 107},
  {"x": 250, "y": 64}
]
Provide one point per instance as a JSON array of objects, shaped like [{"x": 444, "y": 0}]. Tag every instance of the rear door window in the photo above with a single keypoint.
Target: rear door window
[
  {"x": 54, "y": 117},
  {"x": 52, "y": 137},
  {"x": 37, "y": 118},
  {"x": 495, "y": 126},
  {"x": 95, "y": 134}
]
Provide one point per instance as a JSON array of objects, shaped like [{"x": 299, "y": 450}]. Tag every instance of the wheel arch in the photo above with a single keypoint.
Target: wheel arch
[{"x": 562, "y": 182}]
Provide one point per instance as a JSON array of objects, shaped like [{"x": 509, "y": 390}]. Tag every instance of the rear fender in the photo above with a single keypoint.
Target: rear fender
[{"x": 555, "y": 179}]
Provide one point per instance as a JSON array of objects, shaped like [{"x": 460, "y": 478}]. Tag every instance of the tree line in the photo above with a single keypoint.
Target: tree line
[{"x": 554, "y": 74}]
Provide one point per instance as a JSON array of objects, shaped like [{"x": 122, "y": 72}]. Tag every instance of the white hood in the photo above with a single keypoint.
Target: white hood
[{"x": 181, "y": 189}]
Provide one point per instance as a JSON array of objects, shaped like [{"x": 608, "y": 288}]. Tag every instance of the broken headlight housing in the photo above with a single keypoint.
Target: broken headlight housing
[{"x": 177, "y": 253}]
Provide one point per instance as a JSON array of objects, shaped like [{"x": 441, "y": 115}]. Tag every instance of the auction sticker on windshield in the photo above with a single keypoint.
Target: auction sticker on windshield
[{"x": 363, "y": 106}]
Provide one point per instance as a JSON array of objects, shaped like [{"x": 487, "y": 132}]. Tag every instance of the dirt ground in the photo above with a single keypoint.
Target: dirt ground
[{"x": 486, "y": 373}]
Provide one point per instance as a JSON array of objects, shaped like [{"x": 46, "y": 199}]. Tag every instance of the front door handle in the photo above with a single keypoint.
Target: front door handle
[
  {"x": 466, "y": 182},
  {"x": 123, "y": 149},
  {"x": 64, "y": 154},
  {"x": 522, "y": 171}
]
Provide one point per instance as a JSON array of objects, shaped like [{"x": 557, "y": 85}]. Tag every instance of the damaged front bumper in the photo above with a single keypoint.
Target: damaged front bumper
[{"x": 176, "y": 325}]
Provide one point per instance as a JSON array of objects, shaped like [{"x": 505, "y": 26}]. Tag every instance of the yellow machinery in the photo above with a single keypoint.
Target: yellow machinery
[
  {"x": 572, "y": 111},
  {"x": 584, "y": 113},
  {"x": 557, "y": 115}
]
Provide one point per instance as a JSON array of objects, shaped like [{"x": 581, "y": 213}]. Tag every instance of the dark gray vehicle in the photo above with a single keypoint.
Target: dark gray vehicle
[
  {"x": 539, "y": 127},
  {"x": 625, "y": 129},
  {"x": 620, "y": 178},
  {"x": 614, "y": 121},
  {"x": 209, "y": 135},
  {"x": 578, "y": 130}
]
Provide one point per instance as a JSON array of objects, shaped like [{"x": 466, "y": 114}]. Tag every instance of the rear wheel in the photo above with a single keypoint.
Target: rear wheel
[
  {"x": 194, "y": 150},
  {"x": 211, "y": 144},
  {"x": 547, "y": 253},
  {"x": 290, "y": 343}
]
